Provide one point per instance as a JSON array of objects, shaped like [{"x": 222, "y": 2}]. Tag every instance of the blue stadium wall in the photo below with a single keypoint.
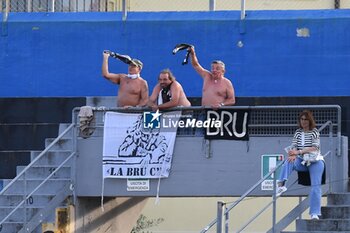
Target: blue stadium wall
[
  {"x": 49, "y": 63},
  {"x": 60, "y": 54}
]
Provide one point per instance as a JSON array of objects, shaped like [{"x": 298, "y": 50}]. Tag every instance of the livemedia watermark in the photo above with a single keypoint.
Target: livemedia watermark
[{"x": 156, "y": 120}]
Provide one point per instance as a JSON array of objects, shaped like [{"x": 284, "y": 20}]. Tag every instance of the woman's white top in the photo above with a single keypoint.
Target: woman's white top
[{"x": 303, "y": 139}]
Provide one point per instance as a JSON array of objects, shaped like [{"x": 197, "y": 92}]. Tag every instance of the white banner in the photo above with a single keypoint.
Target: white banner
[{"x": 134, "y": 148}]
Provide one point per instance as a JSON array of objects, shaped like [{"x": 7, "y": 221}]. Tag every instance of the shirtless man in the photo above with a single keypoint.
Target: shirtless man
[
  {"x": 217, "y": 90},
  {"x": 168, "y": 93},
  {"x": 133, "y": 90}
]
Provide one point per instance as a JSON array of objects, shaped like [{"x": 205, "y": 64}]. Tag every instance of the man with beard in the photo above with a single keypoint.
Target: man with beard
[{"x": 168, "y": 93}]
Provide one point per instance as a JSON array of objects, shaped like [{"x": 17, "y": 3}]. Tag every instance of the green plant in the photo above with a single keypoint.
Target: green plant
[{"x": 143, "y": 223}]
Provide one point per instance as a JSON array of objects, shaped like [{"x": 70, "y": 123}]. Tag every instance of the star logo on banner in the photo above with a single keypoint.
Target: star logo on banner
[
  {"x": 151, "y": 120},
  {"x": 156, "y": 115}
]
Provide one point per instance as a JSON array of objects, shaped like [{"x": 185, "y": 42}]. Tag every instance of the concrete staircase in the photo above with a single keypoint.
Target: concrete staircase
[
  {"x": 335, "y": 217},
  {"x": 30, "y": 204}
]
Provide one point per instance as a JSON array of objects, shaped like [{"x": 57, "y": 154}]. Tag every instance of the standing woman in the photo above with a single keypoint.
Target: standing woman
[{"x": 306, "y": 139}]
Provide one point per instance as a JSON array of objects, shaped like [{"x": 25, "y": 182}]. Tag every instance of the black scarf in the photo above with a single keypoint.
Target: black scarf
[{"x": 166, "y": 95}]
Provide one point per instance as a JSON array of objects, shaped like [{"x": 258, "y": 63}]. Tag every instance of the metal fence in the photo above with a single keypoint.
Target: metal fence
[
  {"x": 264, "y": 120},
  {"x": 167, "y": 5},
  {"x": 60, "y": 5}
]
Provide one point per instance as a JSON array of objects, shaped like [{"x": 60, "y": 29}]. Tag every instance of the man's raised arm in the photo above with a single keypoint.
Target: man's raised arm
[
  {"x": 198, "y": 68},
  {"x": 115, "y": 78}
]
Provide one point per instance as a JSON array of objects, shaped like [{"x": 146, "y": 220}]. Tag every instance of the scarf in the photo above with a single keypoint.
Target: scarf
[{"x": 133, "y": 76}]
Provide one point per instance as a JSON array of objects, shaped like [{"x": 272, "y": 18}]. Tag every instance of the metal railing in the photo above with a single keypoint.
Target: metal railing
[
  {"x": 218, "y": 221},
  {"x": 165, "y": 5},
  {"x": 44, "y": 181},
  {"x": 284, "y": 222},
  {"x": 221, "y": 211},
  {"x": 264, "y": 120}
]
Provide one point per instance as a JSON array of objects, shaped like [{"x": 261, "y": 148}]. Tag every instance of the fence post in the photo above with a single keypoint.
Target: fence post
[
  {"x": 332, "y": 157},
  {"x": 274, "y": 201},
  {"x": 29, "y": 6},
  {"x": 52, "y": 6},
  {"x": 6, "y": 10},
  {"x": 336, "y": 4},
  {"x": 124, "y": 10},
  {"x": 219, "y": 216},
  {"x": 242, "y": 9},
  {"x": 212, "y": 4}
]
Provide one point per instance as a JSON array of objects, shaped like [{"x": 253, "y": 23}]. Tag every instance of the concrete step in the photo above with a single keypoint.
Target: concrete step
[
  {"x": 20, "y": 215},
  {"x": 51, "y": 187},
  {"x": 11, "y": 227},
  {"x": 14, "y": 227},
  {"x": 62, "y": 144},
  {"x": 62, "y": 127},
  {"x": 338, "y": 199},
  {"x": 323, "y": 225},
  {"x": 335, "y": 212},
  {"x": 54, "y": 157},
  {"x": 33, "y": 201},
  {"x": 41, "y": 172}
]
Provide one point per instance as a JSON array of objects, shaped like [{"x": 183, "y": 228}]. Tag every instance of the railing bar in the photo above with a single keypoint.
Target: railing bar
[
  {"x": 52, "y": 174},
  {"x": 211, "y": 224},
  {"x": 251, "y": 126},
  {"x": 242, "y": 197},
  {"x": 324, "y": 125},
  {"x": 24, "y": 197},
  {"x": 253, "y": 187},
  {"x": 37, "y": 158},
  {"x": 39, "y": 186},
  {"x": 253, "y": 218},
  {"x": 339, "y": 131},
  {"x": 296, "y": 107},
  {"x": 227, "y": 218},
  {"x": 16, "y": 208}
]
